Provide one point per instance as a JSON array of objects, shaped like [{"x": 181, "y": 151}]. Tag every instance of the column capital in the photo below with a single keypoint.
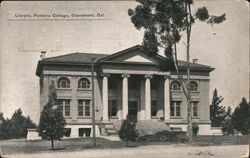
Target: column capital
[
  {"x": 148, "y": 76},
  {"x": 167, "y": 76},
  {"x": 126, "y": 75},
  {"x": 105, "y": 75}
]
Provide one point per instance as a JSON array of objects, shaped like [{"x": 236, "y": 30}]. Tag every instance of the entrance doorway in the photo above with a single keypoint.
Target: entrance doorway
[{"x": 132, "y": 110}]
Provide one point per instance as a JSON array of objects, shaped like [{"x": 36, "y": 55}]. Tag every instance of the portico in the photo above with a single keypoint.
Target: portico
[{"x": 134, "y": 94}]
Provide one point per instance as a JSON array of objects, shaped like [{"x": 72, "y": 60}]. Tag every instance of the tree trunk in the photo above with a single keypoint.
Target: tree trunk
[
  {"x": 127, "y": 143},
  {"x": 52, "y": 144},
  {"x": 190, "y": 129}
]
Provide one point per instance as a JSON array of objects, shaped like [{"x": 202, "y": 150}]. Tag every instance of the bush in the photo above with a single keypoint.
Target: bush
[
  {"x": 195, "y": 129},
  {"x": 181, "y": 136},
  {"x": 128, "y": 131}
]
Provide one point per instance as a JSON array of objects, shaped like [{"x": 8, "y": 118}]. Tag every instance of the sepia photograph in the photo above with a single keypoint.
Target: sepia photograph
[{"x": 125, "y": 78}]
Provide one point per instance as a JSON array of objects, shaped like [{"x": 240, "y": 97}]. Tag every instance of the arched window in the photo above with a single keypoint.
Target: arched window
[
  {"x": 193, "y": 86},
  {"x": 63, "y": 82},
  {"x": 175, "y": 85},
  {"x": 83, "y": 83}
]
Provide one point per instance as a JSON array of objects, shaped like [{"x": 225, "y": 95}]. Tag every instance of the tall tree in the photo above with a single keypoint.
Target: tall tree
[
  {"x": 241, "y": 117},
  {"x": 19, "y": 124},
  {"x": 52, "y": 122},
  {"x": 164, "y": 22},
  {"x": 217, "y": 111}
]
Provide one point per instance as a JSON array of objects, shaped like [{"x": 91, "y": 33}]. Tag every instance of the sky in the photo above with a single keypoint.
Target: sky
[{"x": 224, "y": 47}]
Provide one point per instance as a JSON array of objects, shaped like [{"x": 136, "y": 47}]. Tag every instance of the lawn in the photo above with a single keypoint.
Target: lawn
[
  {"x": 73, "y": 144},
  {"x": 83, "y": 146}
]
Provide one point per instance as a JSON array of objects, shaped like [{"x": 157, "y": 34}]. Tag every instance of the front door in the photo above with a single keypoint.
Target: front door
[{"x": 132, "y": 110}]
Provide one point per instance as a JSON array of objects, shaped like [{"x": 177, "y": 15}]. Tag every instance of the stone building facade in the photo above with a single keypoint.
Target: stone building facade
[{"x": 129, "y": 83}]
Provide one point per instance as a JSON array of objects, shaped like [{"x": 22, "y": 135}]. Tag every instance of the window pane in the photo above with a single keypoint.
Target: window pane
[
  {"x": 178, "y": 109},
  {"x": 84, "y": 83},
  {"x": 175, "y": 85},
  {"x": 63, "y": 84},
  {"x": 193, "y": 86},
  {"x": 87, "y": 110},
  {"x": 80, "y": 102},
  {"x": 67, "y": 110},
  {"x": 195, "y": 108},
  {"x": 80, "y": 110},
  {"x": 87, "y": 102},
  {"x": 172, "y": 109},
  {"x": 67, "y": 102}
]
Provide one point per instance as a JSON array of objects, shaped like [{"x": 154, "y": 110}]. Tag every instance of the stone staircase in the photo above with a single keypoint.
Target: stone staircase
[{"x": 110, "y": 130}]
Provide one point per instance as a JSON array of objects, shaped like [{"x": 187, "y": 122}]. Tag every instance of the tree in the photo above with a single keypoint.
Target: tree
[
  {"x": 241, "y": 117},
  {"x": 16, "y": 127},
  {"x": 217, "y": 111},
  {"x": 3, "y": 127},
  {"x": 227, "y": 126},
  {"x": 163, "y": 22},
  {"x": 52, "y": 122},
  {"x": 128, "y": 131}
]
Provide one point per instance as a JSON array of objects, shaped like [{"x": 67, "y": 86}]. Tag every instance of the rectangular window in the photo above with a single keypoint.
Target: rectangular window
[
  {"x": 64, "y": 106},
  {"x": 67, "y": 107},
  {"x": 112, "y": 108},
  {"x": 84, "y": 107},
  {"x": 84, "y": 132},
  {"x": 195, "y": 108},
  {"x": 80, "y": 107},
  {"x": 172, "y": 109},
  {"x": 87, "y": 107},
  {"x": 178, "y": 108},
  {"x": 175, "y": 108},
  {"x": 153, "y": 108}
]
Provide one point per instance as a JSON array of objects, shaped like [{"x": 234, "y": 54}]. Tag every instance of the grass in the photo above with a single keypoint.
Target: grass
[
  {"x": 76, "y": 144},
  {"x": 73, "y": 144}
]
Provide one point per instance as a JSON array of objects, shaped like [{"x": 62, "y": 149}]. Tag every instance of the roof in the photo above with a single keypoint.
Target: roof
[
  {"x": 75, "y": 58},
  {"x": 86, "y": 59}
]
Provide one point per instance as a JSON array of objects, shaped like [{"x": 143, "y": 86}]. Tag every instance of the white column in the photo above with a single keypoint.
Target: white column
[
  {"x": 142, "y": 100},
  {"x": 125, "y": 96},
  {"x": 105, "y": 98},
  {"x": 166, "y": 99},
  {"x": 148, "y": 97}
]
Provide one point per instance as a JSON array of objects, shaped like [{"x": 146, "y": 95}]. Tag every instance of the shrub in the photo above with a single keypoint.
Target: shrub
[
  {"x": 128, "y": 131},
  {"x": 195, "y": 129},
  {"x": 181, "y": 136}
]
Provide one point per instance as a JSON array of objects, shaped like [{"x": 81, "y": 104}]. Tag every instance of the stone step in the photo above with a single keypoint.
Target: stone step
[
  {"x": 109, "y": 126},
  {"x": 111, "y": 131}
]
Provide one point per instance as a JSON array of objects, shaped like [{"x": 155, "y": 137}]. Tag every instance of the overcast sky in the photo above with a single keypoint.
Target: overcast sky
[{"x": 224, "y": 47}]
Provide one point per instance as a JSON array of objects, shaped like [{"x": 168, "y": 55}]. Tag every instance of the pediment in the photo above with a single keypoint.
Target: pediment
[
  {"x": 138, "y": 58},
  {"x": 133, "y": 55}
]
